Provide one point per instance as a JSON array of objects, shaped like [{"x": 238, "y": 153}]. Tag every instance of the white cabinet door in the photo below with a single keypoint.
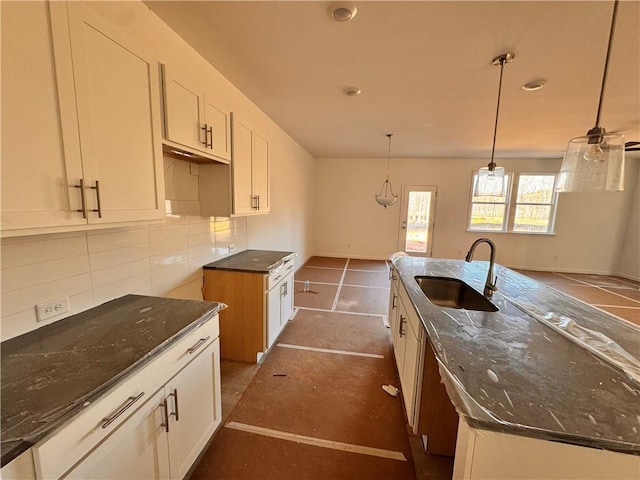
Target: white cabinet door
[
  {"x": 408, "y": 377},
  {"x": 243, "y": 201},
  {"x": 194, "y": 409},
  {"x": 137, "y": 450},
  {"x": 287, "y": 301},
  {"x": 218, "y": 122},
  {"x": 260, "y": 172},
  {"x": 274, "y": 312},
  {"x": 183, "y": 105},
  {"x": 118, "y": 108},
  {"x": 39, "y": 165}
]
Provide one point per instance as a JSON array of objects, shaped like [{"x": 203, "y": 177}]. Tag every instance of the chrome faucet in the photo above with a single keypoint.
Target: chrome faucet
[{"x": 490, "y": 283}]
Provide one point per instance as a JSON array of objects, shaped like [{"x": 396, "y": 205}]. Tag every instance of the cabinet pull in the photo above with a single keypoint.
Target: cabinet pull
[
  {"x": 393, "y": 303},
  {"x": 198, "y": 344},
  {"x": 174, "y": 394},
  {"x": 210, "y": 132},
  {"x": 130, "y": 401},
  {"x": 286, "y": 288},
  {"x": 401, "y": 326},
  {"x": 82, "y": 198},
  {"x": 97, "y": 189},
  {"x": 205, "y": 128},
  {"x": 165, "y": 409},
  {"x": 258, "y": 202}
]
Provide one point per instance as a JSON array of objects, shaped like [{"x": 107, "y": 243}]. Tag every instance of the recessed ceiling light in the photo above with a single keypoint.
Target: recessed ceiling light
[
  {"x": 533, "y": 86},
  {"x": 343, "y": 12},
  {"x": 352, "y": 91}
]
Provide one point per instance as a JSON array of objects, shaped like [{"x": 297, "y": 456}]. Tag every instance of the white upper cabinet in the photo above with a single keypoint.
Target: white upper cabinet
[
  {"x": 38, "y": 161},
  {"x": 242, "y": 188},
  {"x": 250, "y": 171},
  {"x": 81, "y": 125},
  {"x": 193, "y": 118}
]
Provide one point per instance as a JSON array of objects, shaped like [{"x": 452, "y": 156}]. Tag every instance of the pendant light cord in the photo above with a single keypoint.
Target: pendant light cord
[
  {"x": 495, "y": 127},
  {"x": 389, "y": 135},
  {"x": 606, "y": 62}
]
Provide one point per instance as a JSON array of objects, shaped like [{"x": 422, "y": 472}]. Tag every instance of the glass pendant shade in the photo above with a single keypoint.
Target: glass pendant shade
[
  {"x": 593, "y": 163},
  {"x": 490, "y": 182},
  {"x": 386, "y": 197}
]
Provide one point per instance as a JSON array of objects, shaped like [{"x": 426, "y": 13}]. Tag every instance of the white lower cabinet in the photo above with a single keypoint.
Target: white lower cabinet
[
  {"x": 152, "y": 425},
  {"x": 194, "y": 409},
  {"x": 408, "y": 347},
  {"x": 136, "y": 450},
  {"x": 280, "y": 306}
]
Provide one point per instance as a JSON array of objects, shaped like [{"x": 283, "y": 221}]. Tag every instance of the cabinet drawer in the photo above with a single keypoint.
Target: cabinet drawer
[
  {"x": 63, "y": 448},
  {"x": 276, "y": 277}
]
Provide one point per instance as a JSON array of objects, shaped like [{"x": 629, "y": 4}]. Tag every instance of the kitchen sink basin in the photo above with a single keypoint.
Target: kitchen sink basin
[{"x": 453, "y": 293}]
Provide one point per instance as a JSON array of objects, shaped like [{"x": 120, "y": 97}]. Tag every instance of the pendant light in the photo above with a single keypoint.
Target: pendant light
[
  {"x": 386, "y": 197},
  {"x": 491, "y": 178},
  {"x": 595, "y": 162}
]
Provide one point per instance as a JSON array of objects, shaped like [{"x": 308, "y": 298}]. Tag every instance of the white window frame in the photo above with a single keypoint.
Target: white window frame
[{"x": 511, "y": 203}]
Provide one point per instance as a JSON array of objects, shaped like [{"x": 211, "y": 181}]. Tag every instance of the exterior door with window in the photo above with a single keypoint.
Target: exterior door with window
[{"x": 417, "y": 219}]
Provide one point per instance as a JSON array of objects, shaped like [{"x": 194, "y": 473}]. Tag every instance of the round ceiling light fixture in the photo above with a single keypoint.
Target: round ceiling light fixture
[
  {"x": 352, "y": 91},
  {"x": 533, "y": 86},
  {"x": 343, "y": 12}
]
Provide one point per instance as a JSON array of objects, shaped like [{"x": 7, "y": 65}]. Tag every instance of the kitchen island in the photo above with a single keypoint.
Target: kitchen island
[
  {"x": 53, "y": 375},
  {"x": 258, "y": 287},
  {"x": 507, "y": 372}
]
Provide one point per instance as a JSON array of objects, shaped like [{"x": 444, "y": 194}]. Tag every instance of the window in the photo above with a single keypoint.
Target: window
[
  {"x": 535, "y": 206},
  {"x": 489, "y": 212}
]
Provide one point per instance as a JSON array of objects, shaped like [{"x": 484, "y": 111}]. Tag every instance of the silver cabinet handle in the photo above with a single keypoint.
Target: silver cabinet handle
[
  {"x": 174, "y": 394},
  {"x": 198, "y": 344},
  {"x": 97, "y": 189},
  {"x": 82, "y": 198},
  {"x": 258, "y": 202},
  {"x": 393, "y": 303},
  {"x": 401, "y": 329},
  {"x": 205, "y": 128},
  {"x": 210, "y": 132},
  {"x": 165, "y": 409},
  {"x": 127, "y": 405}
]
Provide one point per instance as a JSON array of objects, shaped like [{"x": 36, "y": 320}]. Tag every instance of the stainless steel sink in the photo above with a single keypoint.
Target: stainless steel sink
[{"x": 453, "y": 293}]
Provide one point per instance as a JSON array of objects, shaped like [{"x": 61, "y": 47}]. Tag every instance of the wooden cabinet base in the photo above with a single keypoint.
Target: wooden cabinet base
[
  {"x": 242, "y": 326},
  {"x": 438, "y": 417}
]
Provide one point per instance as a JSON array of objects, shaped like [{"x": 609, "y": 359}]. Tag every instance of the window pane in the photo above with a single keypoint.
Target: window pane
[
  {"x": 487, "y": 217},
  {"x": 532, "y": 218},
  {"x": 535, "y": 189},
  {"x": 487, "y": 186},
  {"x": 417, "y": 222}
]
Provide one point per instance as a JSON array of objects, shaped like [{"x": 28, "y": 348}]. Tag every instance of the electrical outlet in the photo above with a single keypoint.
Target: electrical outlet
[
  {"x": 52, "y": 308},
  {"x": 232, "y": 247}
]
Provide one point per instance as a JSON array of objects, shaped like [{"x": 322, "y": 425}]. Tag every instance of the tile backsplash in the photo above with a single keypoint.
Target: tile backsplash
[{"x": 92, "y": 267}]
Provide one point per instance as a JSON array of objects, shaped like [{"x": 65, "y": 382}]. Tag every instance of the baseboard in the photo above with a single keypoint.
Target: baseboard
[
  {"x": 355, "y": 257},
  {"x": 574, "y": 270}
]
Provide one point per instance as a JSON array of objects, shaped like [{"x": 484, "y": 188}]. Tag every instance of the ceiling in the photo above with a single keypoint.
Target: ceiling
[{"x": 425, "y": 70}]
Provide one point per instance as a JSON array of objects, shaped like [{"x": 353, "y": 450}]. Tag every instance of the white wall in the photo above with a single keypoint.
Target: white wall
[
  {"x": 159, "y": 258},
  {"x": 590, "y": 228},
  {"x": 629, "y": 259}
]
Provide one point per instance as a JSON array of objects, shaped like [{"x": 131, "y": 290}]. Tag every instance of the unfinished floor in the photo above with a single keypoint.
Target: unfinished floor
[{"x": 315, "y": 409}]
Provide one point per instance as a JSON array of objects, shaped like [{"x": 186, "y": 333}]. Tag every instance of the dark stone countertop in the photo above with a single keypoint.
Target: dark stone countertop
[
  {"x": 256, "y": 261},
  {"x": 508, "y": 372},
  {"x": 48, "y": 374}
]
